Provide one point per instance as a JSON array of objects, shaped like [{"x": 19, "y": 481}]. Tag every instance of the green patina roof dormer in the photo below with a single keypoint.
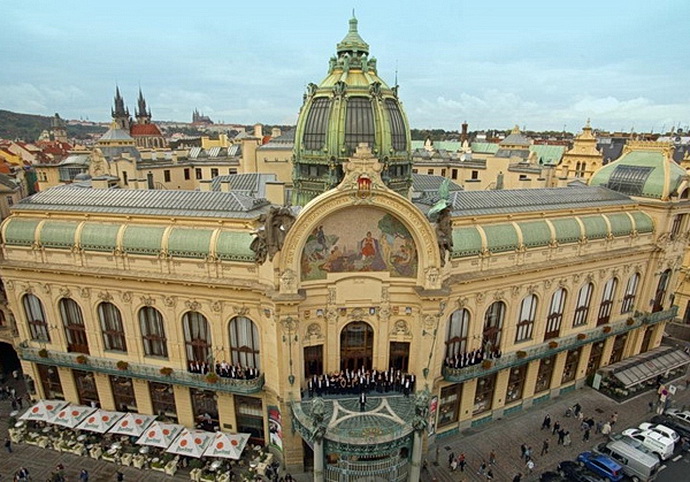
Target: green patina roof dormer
[
  {"x": 645, "y": 169},
  {"x": 352, "y": 105}
]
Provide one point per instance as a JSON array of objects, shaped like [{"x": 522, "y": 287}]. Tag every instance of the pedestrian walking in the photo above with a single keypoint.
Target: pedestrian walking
[
  {"x": 530, "y": 466},
  {"x": 84, "y": 475},
  {"x": 651, "y": 406},
  {"x": 599, "y": 426},
  {"x": 546, "y": 424},
  {"x": 577, "y": 408},
  {"x": 518, "y": 477},
  {"x": 453, "y": 464},
  {"x": 451, "y": 457},
  {"x": 482, "y": 468},
  {"x": 528, "y": 452},
  {"x": 8, "y": 445},
  {"x": 585, "y": 437},
  {"x": 523, "y": 449},
  {"x": 489, "y": 475},
  {"x": 561, "y": 434},
  {"x": 566, "y": 439},
  {"x": 120, "y": 476},
  {"x": 606, "y": 429},
  {"x": 462, "y": 462},
  {"x": 492, "y": 457},
  {"x": 614, "y": 418},
  {"x": 556, "y": 427},
  {"x": 545, "y": 447}
]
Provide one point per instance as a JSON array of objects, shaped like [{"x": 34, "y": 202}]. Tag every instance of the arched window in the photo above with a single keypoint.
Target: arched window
[
  {"x": 73, "y": 321},
  {"x": 244, "y": 342},
  {"x": 153, "y": 332},
  {"x": 607, "y": 301},
  {"x": 111, "y": 326},
  {"x": 456, "y": 341},
  {"x": 630, "y": 293},
  {"x": 584, "y": 297},
  {"x": 197, "y": 338},
  {"x": 493, "y": 325},
  {"x": 555, "y": 316},
  {"x": 525, "y": 325},
  {"x": 36, "y": 317},
  {"x": 661, "y": 291}
]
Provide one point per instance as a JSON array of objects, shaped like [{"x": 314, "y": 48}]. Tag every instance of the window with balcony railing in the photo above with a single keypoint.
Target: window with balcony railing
[
  {"x": 525, "y": 325},
  {"x": 607, "y": 301},
  {"x": 36, "y": 318},
  {"x": 630, "y": 293},
  {"x": 555, "y": 316},
  {"x": 584, "y": 298},
  {"x": 153, "y": 332},
  {"x": 456, "y": 340},
  {"x": 111, "y": 327}
]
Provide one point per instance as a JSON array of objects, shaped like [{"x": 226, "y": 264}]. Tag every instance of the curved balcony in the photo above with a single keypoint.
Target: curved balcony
[
  {"x": 134, "y": 370},
  {"x": 570, "y": 342}
]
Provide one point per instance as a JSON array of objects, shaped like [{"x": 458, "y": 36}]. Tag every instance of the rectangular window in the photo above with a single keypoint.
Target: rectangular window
[
  {"x": 123, "y": 394},
  {"x": 584, "y": 297},
  {"x": 415, "y": 171},
  {"x": 316, "y": 126},
  {"x": 516, "y": 383},
  {"x": 10, "y": 201},
  {"x": 359, "y": 122},
  {"x": 166, "y": 175},
  {"x": 186, "y": 174},
  {"x": 125, "y": 180},
  {"x": 430, "y": 172},
  {"x": 555, "y": 317},
  {"x": 449, "y": 404},
  {"x": 677, "y": 224},
  {"x": 232, "y": 170},
  {"x": 443, "y": 172},
  {"x": 570, "y": 368},
  {"x": 484, "y": 394},
  {"x": 454, "y": 174},
  {"x": 607, "y": 301},
  {"x": 475, "y": 175},
  {"x": 198, "y": 174},
  {"x": 163, "y": 400},
  {"x": 214, "y": 172},
  {"x": 250, "y": 418},
  {"x": 525, "y": 326},
  {"x": 630, "y": 293},
  {"x": 544, "y": 374}
]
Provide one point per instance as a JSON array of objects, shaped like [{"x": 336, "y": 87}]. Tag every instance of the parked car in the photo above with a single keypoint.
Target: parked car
[
  {"x": 602, "y": 465},
  {"x": 677, "y": 424},
  {"x": 574, "y": 472},
  {"x": 659, "y": 444},
  {"x": 633, "y": 442},
  {"x": 676, "y": 413},
  {"x": 661, "y": 429},
  {"x": 638, "y": 465},
  {"x": 552, "y": 477}
]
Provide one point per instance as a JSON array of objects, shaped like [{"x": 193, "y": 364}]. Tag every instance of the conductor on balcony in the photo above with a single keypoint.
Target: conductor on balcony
[{"x": 362, "y": 401}]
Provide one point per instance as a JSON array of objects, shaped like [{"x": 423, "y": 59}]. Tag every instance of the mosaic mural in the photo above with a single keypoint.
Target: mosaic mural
[{"x": 356, "y": 240}]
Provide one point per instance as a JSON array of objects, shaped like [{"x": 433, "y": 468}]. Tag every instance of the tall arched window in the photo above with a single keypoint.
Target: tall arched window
[
  {"x": 660, "y": 295},
  {"x": 525, "y": 325},
  {"x": 555, "y": 316},
  {"x": 458, "y": 325},
  {"x": 36, "y": 317},
  {"x": 73, "y": 321},
  {"x": 493, "y": 325},
  {"x": 153, "y": 332},
  {"x": 630, "y": 293},
  {"x": 584, "y": 298},
  {"x": 607, "y": 301},
  {"x": 111, "y": 326},
  {"x": 197, "y": 338},
  {"x": 244, "y": 342}
]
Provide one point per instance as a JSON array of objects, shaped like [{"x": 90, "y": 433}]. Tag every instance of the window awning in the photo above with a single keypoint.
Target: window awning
[{"x": 645, "y": 366}]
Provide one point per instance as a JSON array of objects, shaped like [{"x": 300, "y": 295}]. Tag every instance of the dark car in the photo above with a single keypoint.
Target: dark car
[
  {"x": 681, "y": 428},
  {"x": 552, "y": 477},
  {"x": 602, "y": 465},
  {"x": 577, "y": 473}
]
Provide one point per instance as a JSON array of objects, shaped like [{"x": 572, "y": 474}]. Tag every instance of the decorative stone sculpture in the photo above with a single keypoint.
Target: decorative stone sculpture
[
  {"x": 444, "y": 234},
  {"x": 271, "y": 236}
]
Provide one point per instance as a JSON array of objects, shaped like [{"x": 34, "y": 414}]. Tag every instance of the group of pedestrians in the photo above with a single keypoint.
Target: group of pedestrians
[{"x": 460, "y": 462}]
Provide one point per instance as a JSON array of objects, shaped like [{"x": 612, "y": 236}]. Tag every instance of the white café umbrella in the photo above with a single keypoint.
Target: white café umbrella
[
  {"x": 132, "y": 424},
  {"x": 227, "y": 445},
  {"x": 71, "y": 415},
  {"x": 43, "y": 410},
  {"x": 99, "y": 421},
  {"x": 160, "y": 434},
  {"x": 191, "y": 443}
]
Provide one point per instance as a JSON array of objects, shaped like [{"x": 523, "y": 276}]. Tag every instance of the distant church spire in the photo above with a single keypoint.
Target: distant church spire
[
  {"x": 143, "y": 115},
  {"x": 120, "y": 113}
]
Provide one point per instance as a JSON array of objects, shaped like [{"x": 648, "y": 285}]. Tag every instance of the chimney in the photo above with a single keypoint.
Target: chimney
[
  {"x": 225, "y": 186},
  {"x": 275, "y": 132},
  {"x": 258, "y": 131},
  {"x": 205, "y": 185},
  {"x": 463, "y": 133},
  {"x": 275, "y": 192}
]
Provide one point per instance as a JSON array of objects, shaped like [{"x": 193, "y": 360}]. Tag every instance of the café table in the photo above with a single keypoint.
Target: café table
[
  {"x": 81, "y": 438},
  {"x": 144, "y": 450}
]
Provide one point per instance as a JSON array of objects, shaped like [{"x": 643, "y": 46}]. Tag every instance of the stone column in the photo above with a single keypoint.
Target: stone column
[
  {"x": 318, "y": 460},
  {"x": 416, "y": 460}
]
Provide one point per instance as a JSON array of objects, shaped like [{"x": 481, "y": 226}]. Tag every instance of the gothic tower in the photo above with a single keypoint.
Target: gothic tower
[
  {"x": 143, "y": 115},
  {"x": 120, "y": 113}
]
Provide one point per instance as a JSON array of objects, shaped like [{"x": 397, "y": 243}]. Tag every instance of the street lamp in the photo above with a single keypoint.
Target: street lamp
[{"x": 289, "y": 333}]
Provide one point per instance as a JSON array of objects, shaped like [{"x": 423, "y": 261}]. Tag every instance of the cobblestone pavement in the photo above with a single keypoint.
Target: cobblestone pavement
[{"x": 504, "y": 437}]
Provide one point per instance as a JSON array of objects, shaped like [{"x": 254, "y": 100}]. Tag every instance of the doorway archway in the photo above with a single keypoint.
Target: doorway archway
[{"x": 356, "y": 346}]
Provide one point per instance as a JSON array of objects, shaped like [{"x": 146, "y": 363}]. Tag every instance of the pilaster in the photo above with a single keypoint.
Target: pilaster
[
  {"x": 105, "y": 391},
  {"x": 183, "y": 405},
  {"x": 142, "y": 395},
  {"x": 69, "y": 387}
]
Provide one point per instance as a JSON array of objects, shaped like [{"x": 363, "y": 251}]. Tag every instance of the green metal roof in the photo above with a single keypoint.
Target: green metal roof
[
  {"x": 643, "y": 222},
  {"x": 234, "y": 245},
  {"x": 190, "y": 242},
  {"x": 535, "y": 233},
  {"x": 485, "y": 147},
  {"x": 142, "y": 239},
  {"x": 501, "y": 237},
  {"x": 547, "y": 154},
  {"x": 466, "y": 241},
  {"x": 58, "y": 234},
  {"x": 352, "y": 42},
  {"x": 21, "y": 232},
  {"x": 595, "y": 226},
  {"x": 567, "y": 230},
  {"x": 620, "y": 224},
  {"x": 99, "y": 237}
]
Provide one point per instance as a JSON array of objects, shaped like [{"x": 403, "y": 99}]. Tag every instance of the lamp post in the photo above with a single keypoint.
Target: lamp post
[{"x": 290, "y": 325}]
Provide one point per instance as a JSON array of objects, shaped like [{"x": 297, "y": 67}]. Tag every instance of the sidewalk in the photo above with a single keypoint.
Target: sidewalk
[{"x": 506, "y": 436}]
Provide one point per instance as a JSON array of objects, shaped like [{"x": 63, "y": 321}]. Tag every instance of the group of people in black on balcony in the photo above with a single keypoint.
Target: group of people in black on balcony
[
  {"x": 225, "y": 370},
  {"x": 474, "y": 357},
  {"x": 347, "y": 382}
]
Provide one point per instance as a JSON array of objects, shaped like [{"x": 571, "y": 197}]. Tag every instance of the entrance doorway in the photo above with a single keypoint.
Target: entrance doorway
[
  {"x": 356, "y": 346},
  {"x": 399, "y": 355},
  {"x": 313, "y": 360},
  {"x": 9, "y": 361}
]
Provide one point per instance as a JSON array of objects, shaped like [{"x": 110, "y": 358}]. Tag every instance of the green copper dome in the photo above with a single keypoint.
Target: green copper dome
[{"x": 352, "y": 105}]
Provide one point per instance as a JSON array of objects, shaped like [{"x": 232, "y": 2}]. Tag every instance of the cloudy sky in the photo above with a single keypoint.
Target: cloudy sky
[{"x": 543, "y": 65}]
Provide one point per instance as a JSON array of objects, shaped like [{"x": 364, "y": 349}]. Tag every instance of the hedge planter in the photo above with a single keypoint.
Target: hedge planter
[
  {"x": 553, "y": 344},
  {"x": 82, "y": 360},
  {"x": 212, "y": 378},
  {"x": 629, "y": 321},
  {"x": 520, "y": 354},
  {"x": 167, "y": 371},
  {"x": 486, "y": 364},
  {"x": 43, "y": 353},
  {"x": 122, "y": 365},
  {"x": 606, "y": 329},
  {"x": 581, "y": 336}
]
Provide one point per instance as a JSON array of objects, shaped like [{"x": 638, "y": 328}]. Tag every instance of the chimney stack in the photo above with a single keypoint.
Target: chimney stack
[
  {"x": 463, "y": 134},
  {"x": 205, "y": 185},
  {"x": 225, "y": 186},
  {"x": 275, "y": 132},
  {"x": 258, "y": 131}
]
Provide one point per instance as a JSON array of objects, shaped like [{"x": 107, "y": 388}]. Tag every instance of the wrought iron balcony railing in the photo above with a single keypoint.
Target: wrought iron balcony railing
[
  {"x": 135, "y": 370},
  {"x": 557, "y": 345}
]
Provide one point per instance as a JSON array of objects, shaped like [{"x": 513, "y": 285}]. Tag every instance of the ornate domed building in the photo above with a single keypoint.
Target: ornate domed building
[{"x": 352, "y": 105}]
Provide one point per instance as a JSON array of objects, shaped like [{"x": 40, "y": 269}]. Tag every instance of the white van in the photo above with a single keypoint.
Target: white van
[
  {"x": 659, "y": 444},
  {"x": 639, "y": 466}
]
